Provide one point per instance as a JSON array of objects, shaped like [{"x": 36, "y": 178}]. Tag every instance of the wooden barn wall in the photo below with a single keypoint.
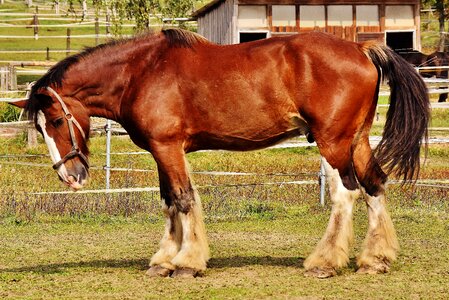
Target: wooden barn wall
[
  {"x": 329, "y": 2},
  {"x": 217, "y": 25}
]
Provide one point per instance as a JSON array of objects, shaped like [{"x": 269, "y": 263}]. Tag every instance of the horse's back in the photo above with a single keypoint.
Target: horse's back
[{"x": 251, "y": 95}]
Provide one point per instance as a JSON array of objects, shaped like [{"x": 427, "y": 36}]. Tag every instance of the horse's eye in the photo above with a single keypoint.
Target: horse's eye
[{"x": 58, "y": 122}]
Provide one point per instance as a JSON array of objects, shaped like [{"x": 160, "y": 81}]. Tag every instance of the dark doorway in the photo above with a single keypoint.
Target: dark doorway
[
  {"x": 252, "y": 36},
  {"x": 400, "y": 41}
]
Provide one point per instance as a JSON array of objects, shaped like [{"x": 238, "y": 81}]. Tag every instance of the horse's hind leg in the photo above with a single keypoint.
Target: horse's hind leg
[
  {"x": 381, "y": 245},
  {"x": 184, "y": 249},
  {"x": 332, "y": 250}
]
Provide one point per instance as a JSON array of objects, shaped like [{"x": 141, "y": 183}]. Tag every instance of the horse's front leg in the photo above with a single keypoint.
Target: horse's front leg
[
  {"x": 170, "y": 244},
  {"x": 184, "y": 250}
]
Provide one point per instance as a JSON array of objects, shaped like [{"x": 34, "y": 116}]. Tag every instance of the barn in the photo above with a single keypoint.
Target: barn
[{"x": 396, "y": 22}]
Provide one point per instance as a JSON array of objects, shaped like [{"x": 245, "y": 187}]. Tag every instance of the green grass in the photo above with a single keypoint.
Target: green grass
[
  {"x": 98, "y": 246},
  {"x": 251, "y": 259}
]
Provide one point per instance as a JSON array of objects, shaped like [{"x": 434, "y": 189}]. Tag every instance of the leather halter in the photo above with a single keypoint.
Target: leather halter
[{"x": 70, "y": 122}]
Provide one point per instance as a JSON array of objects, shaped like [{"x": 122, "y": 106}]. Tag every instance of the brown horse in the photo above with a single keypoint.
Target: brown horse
[{"x": 175, "y": 92}]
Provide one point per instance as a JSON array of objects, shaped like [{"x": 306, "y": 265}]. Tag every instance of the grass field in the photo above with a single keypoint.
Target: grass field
[
  {"x": 251, "y": 259},
  {"x": 94, "y": 246}
]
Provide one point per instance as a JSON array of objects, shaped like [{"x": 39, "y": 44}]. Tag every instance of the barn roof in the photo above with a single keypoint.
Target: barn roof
[{"x": 206, "y": 8}]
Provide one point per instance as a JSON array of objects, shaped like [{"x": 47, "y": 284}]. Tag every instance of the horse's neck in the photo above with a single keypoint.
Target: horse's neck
[
  {"x": 101, "y": 79},
  {"x": 99, "y": 89}
]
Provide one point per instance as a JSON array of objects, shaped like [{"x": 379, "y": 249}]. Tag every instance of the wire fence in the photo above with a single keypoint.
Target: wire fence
[{"x": 262, "y": 193}]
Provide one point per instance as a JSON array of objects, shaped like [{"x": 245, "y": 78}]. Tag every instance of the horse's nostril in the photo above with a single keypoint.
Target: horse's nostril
[
  {"x": 83, "y": 173},
  {"x": 71, "y": 179}
]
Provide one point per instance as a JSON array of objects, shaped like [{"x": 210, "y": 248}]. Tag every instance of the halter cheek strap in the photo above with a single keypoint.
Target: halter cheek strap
[{"x": 70, "y": 122}]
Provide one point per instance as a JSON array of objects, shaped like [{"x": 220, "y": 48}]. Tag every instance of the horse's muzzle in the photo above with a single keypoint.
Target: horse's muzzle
[{"x": 75, "y": 175}]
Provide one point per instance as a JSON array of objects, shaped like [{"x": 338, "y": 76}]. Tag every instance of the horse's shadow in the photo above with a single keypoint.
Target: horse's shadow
[
  {"x": 142, "y": 264},
  {"x": 242, "y": 261}
]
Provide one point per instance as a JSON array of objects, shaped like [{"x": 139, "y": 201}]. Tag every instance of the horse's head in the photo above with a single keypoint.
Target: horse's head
[{"x": 64, "y": 124}]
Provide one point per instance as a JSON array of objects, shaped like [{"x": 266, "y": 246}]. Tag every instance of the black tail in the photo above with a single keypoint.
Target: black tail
[{"x": 408, "y": 116}]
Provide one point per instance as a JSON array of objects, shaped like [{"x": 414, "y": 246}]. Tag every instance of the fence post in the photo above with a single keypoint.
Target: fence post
[
  {"x": 84, "y": 9},
  {"x": 108, "y": 25},
  {"x": 2, "y": 79},
  {"x": 107, "y": 167},
  {"x": 12, "y": 78},
  {"x": 36, "y": 25},
  {"x": 322, "y": 176},
  {"x": 31, "y": 130},
  {"x": 68, "y": 42},
  {"x": 97, "y": 31},
  {"x": 31, "y": 136}
]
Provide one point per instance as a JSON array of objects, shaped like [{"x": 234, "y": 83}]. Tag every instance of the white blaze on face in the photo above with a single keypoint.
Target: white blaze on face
[{"x": 54, "y": 152}]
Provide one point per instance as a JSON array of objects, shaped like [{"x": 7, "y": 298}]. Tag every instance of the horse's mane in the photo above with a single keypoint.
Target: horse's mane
[
  {"x": 183, "y": 38},
  {"x": 175, "y": 38},
  {"x": 55, "y": 75}
]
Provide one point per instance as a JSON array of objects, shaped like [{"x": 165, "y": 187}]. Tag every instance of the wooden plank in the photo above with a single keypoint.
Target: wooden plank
[
  {"x": 270, "y": 16},
  {"x": 354, "y": 23},
  {"x": 324, "y": 2},
  {"x": 366, "y": 36},
  {"x": 368, "y": 29},
  {"x": 417, "y": 14},
  {"x": 382, "y": 17},
  {"x": 298, "y": 21}
]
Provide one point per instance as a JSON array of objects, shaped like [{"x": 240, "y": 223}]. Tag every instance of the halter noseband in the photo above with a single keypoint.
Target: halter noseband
[{"x": 70, "y": 121}]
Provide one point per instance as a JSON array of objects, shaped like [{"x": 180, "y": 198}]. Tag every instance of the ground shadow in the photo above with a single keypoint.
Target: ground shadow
[
  {"x": 139, "y": 264},
  {"x": 242, "y": 261},
  {"x": 142, "y": 264}
]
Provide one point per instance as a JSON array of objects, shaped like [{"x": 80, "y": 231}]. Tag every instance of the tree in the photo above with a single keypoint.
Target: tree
[
  {"x": 177, "y": 9},
  {"x": 141, "y": 11},
  {"x": 442, "y": 10}
]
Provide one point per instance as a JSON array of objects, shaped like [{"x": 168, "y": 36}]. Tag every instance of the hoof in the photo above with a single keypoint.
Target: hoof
[
  {"x": 185, "y": 273},
  {"x": 372, "y": 270},
  {"x": 379, "y": 267},
  {"x": 158, "y": 271},
  {"x": 317, "y": 272}
]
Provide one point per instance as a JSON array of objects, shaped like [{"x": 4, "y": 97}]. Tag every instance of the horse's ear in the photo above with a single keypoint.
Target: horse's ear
[
  {"x": 19, "y": 104},
  {"x": 42, "y": 97}
]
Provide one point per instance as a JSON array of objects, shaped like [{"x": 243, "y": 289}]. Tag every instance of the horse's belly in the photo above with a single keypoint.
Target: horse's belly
[{"x": 243, "y": 138}]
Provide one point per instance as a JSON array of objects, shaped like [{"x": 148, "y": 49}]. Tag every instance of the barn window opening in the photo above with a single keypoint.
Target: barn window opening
[
  {"x": 339, "y": 15},
  {"x": 367, "y": 15},
  {"x": 251, "y": 36},
  {"x": 311, "y": 16},
  {"x": 252, "y": 16},
  {"x": 399, "y": 16},
  {"x": 284, "y": 18},
  {"x": 400, "y": 40}
]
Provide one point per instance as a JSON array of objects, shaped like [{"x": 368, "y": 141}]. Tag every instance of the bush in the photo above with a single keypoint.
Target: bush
[{"x": 8, "y": 113}]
